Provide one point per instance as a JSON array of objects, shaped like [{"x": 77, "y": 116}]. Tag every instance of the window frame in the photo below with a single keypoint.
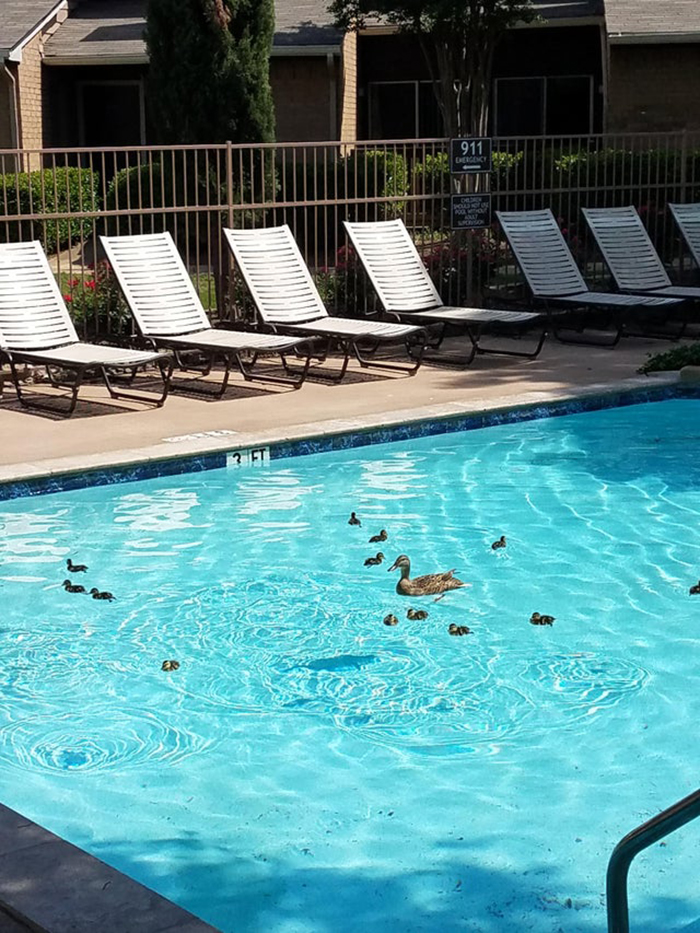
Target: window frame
[{"x": 543, "y": 115}]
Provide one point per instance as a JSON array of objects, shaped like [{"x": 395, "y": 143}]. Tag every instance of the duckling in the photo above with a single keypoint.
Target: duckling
[
  {"x": 390, "y": 620},
  {"x": 695, "y": 589},
  {"x": 373, "y": 561},
  {"x": 170, "y": 665},
  {"x": 537, "y": 619},
  {"x": 499, "y": 544},
  {"x": 96, "y": 594},
  {"x": 382, "y": 536},
  {"x": 430, "y": 584},
  {"x": 75, "y": 568},
  {"x": 72, "y": 587},
  {"x": 459, "y": 629},
  {"x": 354, "y": 520},
  {"x": 417, "y": 614}
]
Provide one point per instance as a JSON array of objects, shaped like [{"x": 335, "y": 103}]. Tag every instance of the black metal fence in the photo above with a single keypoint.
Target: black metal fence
[{"x": 67, "y": 198}]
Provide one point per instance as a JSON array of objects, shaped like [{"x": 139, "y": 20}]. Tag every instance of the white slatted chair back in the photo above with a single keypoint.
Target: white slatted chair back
[
  {"x": 33, "y": 314},
  {"x": 626, "y": 248},
  {"x": 542, "y": 253},
  {"x": 394, "y": 266},
  {"x": 687, "y": 216},
  {"x": 276, "y": 274},
  {"x": 156, "y": 284}
]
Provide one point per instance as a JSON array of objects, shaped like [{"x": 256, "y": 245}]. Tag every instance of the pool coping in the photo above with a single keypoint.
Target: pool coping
[
  {"x": 48, "y": 885},
  {"x": 218, "y": 449}
]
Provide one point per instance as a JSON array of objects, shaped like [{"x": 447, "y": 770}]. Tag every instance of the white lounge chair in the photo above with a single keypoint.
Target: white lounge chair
[
  {"x": 35, "y": 328},
  {"x": 288, "y": 300},
  {"x": 405, "y": 289},
  {"x": 687, "y": 216},
  {"x": 556, "y": 281},
  {"x": 168, "y": 313},
  {"x": 630, "y": 255}
]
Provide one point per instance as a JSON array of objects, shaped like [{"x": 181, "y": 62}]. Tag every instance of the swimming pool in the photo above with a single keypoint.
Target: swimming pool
[{"x": 308, "y": 768}]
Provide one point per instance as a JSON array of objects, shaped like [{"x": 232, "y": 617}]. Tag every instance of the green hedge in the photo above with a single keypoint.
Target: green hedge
[{"x": 47, "y": 192}]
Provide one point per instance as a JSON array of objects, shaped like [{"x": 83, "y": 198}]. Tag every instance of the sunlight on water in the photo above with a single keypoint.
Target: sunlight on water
[{"x": 309, "y": 768}]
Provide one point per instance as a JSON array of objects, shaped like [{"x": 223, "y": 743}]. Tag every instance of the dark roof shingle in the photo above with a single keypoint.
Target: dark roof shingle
[
  {"x": 113, "y": 29},
  {"x": 19, "y": 17}
]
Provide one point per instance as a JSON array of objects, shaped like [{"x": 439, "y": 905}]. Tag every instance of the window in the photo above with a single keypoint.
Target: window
[
  {"x": 111, "y": 113},
  {"x": 403, "y": 110},
  {"x": 556, "y": 105}
]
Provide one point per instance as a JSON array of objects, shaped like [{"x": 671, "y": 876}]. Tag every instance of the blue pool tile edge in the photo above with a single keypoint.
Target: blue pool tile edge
[{"x": 215, "y": 460}]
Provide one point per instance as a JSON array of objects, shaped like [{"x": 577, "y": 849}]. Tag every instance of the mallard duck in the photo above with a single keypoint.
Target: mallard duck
[
  {"x": 373, "y": 561},
  {"x": 382, "y": 536},
  {"x": 499, "y": 544},
  {"x": 170, "y": 665},
  {"x": 429, "y": 585},
  {"x": 72, "y": 587},
  {"x": 537, "y": 619},
  {"x": 694, "y": 590},
  {"x": 459, "y": 629},
  {"x": 416, "y": 614},
  {"x": 354, "y": 520},
  {"x": 75, "y": 568},
  {"x": 390, "y": 620},
  {"x": 96, "y": 594}
]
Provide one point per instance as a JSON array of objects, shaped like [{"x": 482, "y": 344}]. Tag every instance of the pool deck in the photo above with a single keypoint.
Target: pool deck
[
  {"x": 48, "y": 885},
  {"x": 105, "y": 432}
]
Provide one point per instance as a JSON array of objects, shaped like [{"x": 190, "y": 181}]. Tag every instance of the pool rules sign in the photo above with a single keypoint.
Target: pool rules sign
[{"x": 471, "y": 156}]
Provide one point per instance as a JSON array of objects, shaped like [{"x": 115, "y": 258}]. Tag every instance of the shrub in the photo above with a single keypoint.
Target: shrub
[
  {"x": 96, "y": 304},
  {"x": 676, "y": 358},
  {"x": 49, "y": 191},
  {"x": 433, "y": 173}
]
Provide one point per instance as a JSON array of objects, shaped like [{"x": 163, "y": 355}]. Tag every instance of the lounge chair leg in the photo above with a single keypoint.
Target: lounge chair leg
[
  {"x": 525, "y": 355},
  {"x": 393, "y": 367},
  {"x": 166, "y": 372},
  {"x": 295, "y": 381},
  {"x": 26, "y": 402}
]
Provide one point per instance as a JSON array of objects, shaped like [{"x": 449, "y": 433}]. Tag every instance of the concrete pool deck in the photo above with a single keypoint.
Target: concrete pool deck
[{"x": 105, "y": 432}]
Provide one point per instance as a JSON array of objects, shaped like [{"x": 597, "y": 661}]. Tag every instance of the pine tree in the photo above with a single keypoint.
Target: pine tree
[{"x": 209, "y": 76}]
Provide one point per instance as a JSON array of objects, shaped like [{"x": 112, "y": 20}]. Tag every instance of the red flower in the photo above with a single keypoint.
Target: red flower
[
  {"x": 67, "y": 297},
  {"x": 90, "y": 284},
  {"x": 73, "y": 282}
]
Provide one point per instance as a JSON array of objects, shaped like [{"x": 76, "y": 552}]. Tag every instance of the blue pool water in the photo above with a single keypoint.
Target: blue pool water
[{"x": 311, "y": 770}]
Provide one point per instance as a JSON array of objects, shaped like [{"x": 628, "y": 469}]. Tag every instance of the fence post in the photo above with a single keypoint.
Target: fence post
[
  {"x": 225, "y": 277},
  {"x": 684, "y": 164},
  {"x": 229, "y": 181}
]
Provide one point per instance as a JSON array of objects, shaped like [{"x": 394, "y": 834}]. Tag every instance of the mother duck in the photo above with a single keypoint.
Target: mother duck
[{"x": 431, "y": 584}]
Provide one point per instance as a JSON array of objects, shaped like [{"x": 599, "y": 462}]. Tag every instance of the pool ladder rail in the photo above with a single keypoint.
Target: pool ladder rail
[{"x": 641, "y": 838}]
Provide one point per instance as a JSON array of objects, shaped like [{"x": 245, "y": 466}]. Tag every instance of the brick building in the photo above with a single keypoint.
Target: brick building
[{"x": 72, "y": 73}]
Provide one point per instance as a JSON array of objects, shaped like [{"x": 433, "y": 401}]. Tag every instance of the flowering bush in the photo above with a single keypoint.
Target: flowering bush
[
  {"x": 96, "y": 304},
  {"x": 447, "y": 261},
  {"x": 344, "y": 287}
]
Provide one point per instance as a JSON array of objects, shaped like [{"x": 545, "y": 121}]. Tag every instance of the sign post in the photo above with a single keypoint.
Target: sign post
[{"x": 469, "y": 211}]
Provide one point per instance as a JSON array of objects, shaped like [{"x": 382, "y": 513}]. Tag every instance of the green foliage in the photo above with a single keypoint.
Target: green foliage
[
  {"x": 48, "y": 192},
  {"x": 372, "y": 173},
  {"x": 433, "y": 173},
  {"x": 96, "y": 304},
  {"x": 688, "y": 355},
  {"x": 457, "y": 38},
  {"x": 209, "y": 77}
]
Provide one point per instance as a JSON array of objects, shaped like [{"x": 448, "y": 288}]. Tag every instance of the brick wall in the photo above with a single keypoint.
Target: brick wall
[
  {"x": 653, "y": 88},
  {"x": 29, "y": 84},
  {"x": 348, "y": 93},
  {"x": 301, "y": 88}
]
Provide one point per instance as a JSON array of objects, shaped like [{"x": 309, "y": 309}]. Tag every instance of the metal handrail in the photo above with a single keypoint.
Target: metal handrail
[{"x": 640, "y": 838}]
